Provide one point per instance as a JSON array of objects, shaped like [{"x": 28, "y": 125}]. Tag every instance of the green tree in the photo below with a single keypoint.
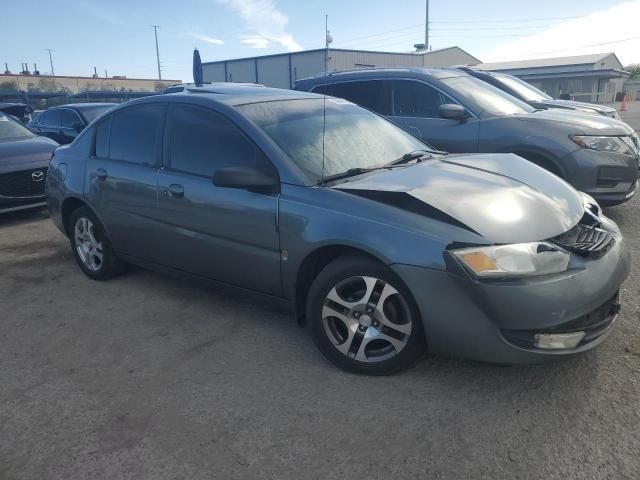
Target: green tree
[
  {"x": 634, "y": 69},
  {"x": 8, "y": 86}
]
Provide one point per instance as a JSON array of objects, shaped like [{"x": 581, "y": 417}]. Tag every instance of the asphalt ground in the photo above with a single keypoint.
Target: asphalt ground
[{"x": 149, "y": 377}]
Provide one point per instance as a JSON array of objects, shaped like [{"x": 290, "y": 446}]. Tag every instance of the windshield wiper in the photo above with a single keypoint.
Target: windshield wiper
[
  {"x": 417, "y": 155},
  {"x": 349, "y": 173}
]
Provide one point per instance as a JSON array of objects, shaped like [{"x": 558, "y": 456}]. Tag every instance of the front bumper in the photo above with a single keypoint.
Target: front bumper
[
  {"x": 610, "y": 178},
  {"x": 12, "y": 204},
  {"x": 476, "y": 320}
]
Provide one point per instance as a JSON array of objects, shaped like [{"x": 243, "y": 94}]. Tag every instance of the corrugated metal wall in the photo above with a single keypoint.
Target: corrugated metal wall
[
  {"x": 281, "y": 71},
  {"x": 274, "y": 71}
]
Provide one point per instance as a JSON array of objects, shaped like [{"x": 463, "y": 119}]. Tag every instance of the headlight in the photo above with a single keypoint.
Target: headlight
[
  {"x": 604, "y": 144},
  {"x": 516, "y": 260},
  {"x": 615, "y": 115}
]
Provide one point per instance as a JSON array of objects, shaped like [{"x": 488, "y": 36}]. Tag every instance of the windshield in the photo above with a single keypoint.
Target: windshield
[
  {"x": 10, "y": 129},
  {"x": 91, "y": 113},
  {"x": 353, "y": 137},
  {"x": 482, "y": 97},
  {"x": 526, "y": 90}
]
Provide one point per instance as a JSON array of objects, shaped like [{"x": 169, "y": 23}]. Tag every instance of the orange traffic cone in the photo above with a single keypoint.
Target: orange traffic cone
[{"x": 623, "y": 105}]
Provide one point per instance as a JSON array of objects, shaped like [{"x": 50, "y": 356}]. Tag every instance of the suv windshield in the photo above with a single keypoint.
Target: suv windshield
[
  {"x": 482, "y": 97},
  {"x": 526, "y": 90},
  {"x": 328, "y": 141},
  {"x": 10, "y": 129}
]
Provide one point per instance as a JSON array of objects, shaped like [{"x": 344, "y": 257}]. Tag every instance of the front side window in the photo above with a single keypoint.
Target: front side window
[
  {"x": 327, "y": 136},
  {"x": 372, "y": 94},
  {"x": 68, "y": 118},
  {"x": 51, "y": 118},
  {"x": 135, "y": 134},
  {"x": 200, "y": 141},
  {"x": 417, "y": 99}
]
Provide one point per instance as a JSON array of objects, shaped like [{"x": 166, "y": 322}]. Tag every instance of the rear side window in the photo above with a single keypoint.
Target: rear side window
[
  {"x": 372, "y": 94},
  {"x": 102, "y": 138},
  {"x": 51, "y": 118},
  {"x": 135, "y": 134},
  {"x": 200, "y": 141},
  {"x": 416, "y": 99}
]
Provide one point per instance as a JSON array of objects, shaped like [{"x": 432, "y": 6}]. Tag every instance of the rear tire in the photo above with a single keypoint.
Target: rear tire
[
  {"x": 363, "y": 319},
  {"x": 91, "y": 246}
]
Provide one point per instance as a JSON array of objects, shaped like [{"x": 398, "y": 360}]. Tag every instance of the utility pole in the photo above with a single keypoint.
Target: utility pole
[
  {"x": 155, "y": 31},
  {"x": 53, "y": 73},
  {"x": 328, "y": 39},
  {"x": 426, "y": 28},
  {"x": 105, "y": 73}
]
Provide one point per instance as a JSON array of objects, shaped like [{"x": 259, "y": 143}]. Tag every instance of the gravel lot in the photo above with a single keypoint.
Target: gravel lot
[{"x": 149, "y": 377}]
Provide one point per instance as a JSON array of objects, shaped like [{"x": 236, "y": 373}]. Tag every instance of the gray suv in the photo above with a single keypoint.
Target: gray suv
[
  {"x": 385, "y": 247},
  {"x": 456, "y": 112}
]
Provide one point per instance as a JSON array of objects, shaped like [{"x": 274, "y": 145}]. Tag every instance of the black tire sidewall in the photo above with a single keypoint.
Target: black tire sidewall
[
  {"x": 351, "y": 266},
  {"x": 110, "y": 265}
]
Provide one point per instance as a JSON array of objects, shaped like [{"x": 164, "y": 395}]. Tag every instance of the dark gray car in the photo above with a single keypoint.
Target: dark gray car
[
  {"x": 24, "y": 158},
  {"x": 459, "y": 113},
  {"x": 385, "y": 247},
  {"x": 529, "y": 94}
]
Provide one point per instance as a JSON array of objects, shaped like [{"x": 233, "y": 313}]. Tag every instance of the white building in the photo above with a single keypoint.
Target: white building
[{"x": 282, "y": 70}]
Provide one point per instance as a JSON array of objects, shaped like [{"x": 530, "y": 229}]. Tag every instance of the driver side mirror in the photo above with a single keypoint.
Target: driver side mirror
[
  {"x": 246, "y": 178},
  {"x": 451, "y": 111}
]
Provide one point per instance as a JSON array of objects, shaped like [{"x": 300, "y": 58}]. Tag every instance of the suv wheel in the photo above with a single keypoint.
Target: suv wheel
[
  {"x": 363, "y": 319},
  {"x": 91, "y": 246}
]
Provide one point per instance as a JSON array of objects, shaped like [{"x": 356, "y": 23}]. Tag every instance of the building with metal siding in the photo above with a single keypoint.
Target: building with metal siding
[
  {"x": 589, "y": 78},
  {"x": 282, "y": 70}
]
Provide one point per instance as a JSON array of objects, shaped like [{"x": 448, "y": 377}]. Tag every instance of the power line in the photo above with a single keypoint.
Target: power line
[
  {"x": 512, "y": 20},
  {"x": 586, "y": 46}
]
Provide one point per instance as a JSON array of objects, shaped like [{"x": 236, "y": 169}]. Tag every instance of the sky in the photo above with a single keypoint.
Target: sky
[{"x": 116, "y": 35}]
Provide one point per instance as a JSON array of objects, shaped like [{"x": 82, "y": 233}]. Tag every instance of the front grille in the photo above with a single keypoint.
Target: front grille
[
  {"x": 22, "y": 183},
  {"x": 594, "y": 324},
  {"x": 585, "y": 240}
]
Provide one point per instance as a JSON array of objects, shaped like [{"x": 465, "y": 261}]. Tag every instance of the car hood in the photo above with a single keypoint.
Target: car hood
[
  {"x": 502, "y": 197},
  {"x": 25, "y": 153},
  {"x": 578, "y": 105},
  {"x": 578, "y": 123}
]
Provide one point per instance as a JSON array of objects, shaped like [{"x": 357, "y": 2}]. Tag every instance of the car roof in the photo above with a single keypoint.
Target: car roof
[
  {"x": 82, "y": 106},
  {"x": 338, "y": 76},
  {"x": 240, "y": 94}
]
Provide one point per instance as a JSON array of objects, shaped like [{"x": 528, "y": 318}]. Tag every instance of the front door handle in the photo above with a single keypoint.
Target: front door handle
[
  {"x": 176, "y": 191},
  {"x": 101, "y": 173}
]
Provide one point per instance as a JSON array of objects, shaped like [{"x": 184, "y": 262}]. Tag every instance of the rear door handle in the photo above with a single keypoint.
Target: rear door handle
[
  {"x": 176, "y": 191},
  {"x": 101, "y": 173}
]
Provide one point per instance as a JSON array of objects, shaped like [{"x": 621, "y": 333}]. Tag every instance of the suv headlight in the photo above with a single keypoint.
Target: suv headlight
[
  {"x": 605, "y": 144},
  {"x": 516, "y": 260}
]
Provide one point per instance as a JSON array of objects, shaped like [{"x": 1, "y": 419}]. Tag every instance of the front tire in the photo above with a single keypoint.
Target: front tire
[
  {"x": 363, "y": 319},
  {"x": 91, "y": 246}
]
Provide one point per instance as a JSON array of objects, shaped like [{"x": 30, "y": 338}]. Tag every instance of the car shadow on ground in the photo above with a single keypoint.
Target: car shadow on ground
[{"x": 19, "y": 217}]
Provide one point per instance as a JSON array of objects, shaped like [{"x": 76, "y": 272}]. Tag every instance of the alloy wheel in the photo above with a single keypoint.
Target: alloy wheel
[
  {"x": 89, "y": 247},
  {"x": 366, "y": 319}
]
